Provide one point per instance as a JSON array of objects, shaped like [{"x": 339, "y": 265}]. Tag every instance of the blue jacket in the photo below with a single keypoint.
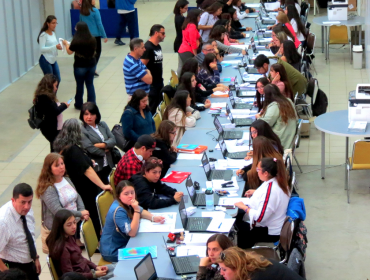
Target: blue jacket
[
  {"x": 94, "y": 23},
  {"x": 296, "y": 208},
  {"x": 134, "y": 125},
  {"x": 127, "y": 5}
]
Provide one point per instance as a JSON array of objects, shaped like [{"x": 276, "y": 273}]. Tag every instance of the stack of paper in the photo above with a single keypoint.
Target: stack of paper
[
  {"x": 233, "y": 163},
  {"x": 167, "y": 226},
  {"x": 221, "y": 225},
  {"x": 189, "y": 156},
  {"x": 218, "y": 104},
  {"x": 186, "y": 250},
  {"x": 227, "y": 201},
  {"x": 196, "y": 238},
  {"x": 272, "y": 5}
]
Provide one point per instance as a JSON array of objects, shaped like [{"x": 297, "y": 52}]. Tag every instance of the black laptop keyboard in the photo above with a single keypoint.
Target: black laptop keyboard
[
  {"x": 243, "y": 121},
  {"x": 196, "y": 224},
  {"x": 238, "y": 155},
  {"x": 184, "y": 265},
  {"x": 242, "y": 106},
  {"x": 201, "y": 199},
  {"x": 218, "y": 174},
  {"x": 233, "y": 135}
]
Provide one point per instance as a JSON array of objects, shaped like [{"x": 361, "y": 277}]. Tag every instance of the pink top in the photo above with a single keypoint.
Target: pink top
[
  {"x": 281, "y": 86},
  {"x": 296, "y": 41},
  {"x": 226, "y": 41},
  {"x": 190, "y": 39}
]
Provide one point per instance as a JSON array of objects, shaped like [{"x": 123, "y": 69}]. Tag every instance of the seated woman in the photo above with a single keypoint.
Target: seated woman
[
  {"x": 56, "y": 191},
  {"x": 280, "y": 79},
  {"x": 276, "y": 45},
  {"x": 122, "y": 221},
  {"x": 262, "y": 128},
  {"x": 235, "y": 23},
  {"x": 260, "y": 85},
  {"x": 208, "y": 267},
  {"x": 296, "y": 23},
  {"x": 237, "y": 5},
  {"x": 266, "y": 209},
  {"x": 66, "y": 254},
  {"x": 279, "y": 112},
  {"x": 218, "y": 34},
  {"x": 208, "y": 74},
  {"x": 188, "y": 82},
  {"x": 181, "y": 114},
  {"x": 262, "y": 147},
  {"x": 284, "y": 26},
  {"x": 97, "y": 140},
  {"x": 238, "y": 264},
  {"x": 148, "y": 186},
  {"x": 163, "y": 138},
  {"x": 137, "y": 119},
  {"x": 291, "y": 55}
]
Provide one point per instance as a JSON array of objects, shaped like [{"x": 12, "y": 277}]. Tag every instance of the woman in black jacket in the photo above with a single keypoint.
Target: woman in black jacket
[
  {"x": 148, "y": 187},
  {"x": 181, "y": 7},
  {"x": 47, "y": 107},
  {"x": 164, "y": 137}
]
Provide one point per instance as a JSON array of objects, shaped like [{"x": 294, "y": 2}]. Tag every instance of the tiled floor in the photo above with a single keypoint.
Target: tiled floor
[{"x": 338, "y": 239}]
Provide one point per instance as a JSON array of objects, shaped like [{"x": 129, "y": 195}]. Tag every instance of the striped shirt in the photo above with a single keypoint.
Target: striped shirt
[{"x": 134, "y": 70}]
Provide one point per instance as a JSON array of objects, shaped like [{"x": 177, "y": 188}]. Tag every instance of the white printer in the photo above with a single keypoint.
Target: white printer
[
  {"x": 359, "y": 104},
  {"x": 338, "y": 10}
]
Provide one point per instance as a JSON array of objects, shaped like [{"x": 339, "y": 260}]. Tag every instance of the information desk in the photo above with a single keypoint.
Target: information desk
[{"x": 336, "y": 123}]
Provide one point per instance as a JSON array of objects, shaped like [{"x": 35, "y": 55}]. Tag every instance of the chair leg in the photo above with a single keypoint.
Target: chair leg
[
  {"x": 300, "y": 169},
  {"x": 347, "y": 185}
]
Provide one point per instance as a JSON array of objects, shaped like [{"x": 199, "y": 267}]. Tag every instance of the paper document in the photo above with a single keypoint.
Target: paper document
[
  {"x": 240, "y": 111},
  {"x": 246, "y": 46},
  {"x": 218, "y": 104},
  {"x": 63, "y": 47},
  {"x": 214, "y": 214},
  {"x": 217, "y": 185},
  {"x": 196, "y": 238},
  {"x": 231, "y": 61},
  {"x": 254, "y": 5},
  {"x": 167, "y": 226},
  {"x": 272, "y": 5},
  {"x": 221, "y": 225},
  {"x": 185, "y": 250},
  {"x": 219, "y": 93},
  {"x": 189, "y": 156},
  {"x": 233, "y": 163},
  {"x": 231, "y": 201}
]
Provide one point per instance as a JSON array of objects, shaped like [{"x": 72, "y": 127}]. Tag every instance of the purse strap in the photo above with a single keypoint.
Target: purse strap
[
  {"x": 115, "y": 224},
  {"x": 205, "y": 24}
]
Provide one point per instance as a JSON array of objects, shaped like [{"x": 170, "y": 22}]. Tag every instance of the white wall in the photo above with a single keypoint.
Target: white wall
[
  {"x": 20, "y": 23},
  {"x": 62, "y": 13}
]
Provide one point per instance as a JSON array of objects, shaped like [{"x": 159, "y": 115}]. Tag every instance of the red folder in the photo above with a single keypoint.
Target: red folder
[{"x": 176, "y": 177}]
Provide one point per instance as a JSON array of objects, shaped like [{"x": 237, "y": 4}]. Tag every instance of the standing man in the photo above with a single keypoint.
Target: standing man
[
  {"x": 153, "y": 59},
  {"x": 17, "y": 231},
  {"x": 137, "y": 76},
  {"x": 126, "y": 11}
]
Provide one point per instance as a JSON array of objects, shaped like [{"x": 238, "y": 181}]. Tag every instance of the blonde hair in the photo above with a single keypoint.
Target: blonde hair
[
  {"x": 282, "y": 18},
  {"x": 242, "y": 263},
  {"x": 46, "y": 178}
]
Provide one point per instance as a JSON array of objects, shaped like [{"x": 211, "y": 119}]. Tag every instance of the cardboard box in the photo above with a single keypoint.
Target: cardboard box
[{"x": 352, "y": 5}]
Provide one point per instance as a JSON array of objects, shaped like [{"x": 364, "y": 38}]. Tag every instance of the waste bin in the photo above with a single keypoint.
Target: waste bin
[{"x": 357, "y": 56}]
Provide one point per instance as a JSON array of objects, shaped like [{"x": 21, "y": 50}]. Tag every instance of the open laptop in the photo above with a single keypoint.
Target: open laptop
[
  {"x": 215, "y": 174},
  {"x": 145, "y": 270},
  {"x": 225, "y": 153},
  {"x": 266, "y": 20},
  {"x": 184, "y": 265},
  {"x": 193, "y": 224},
  {"x": 238, "y": 105},
  {"x": 198, "y": 199},
  {"x": 238, "y": 121},
  {"x": 226, "y": 134},
  {"x": 265, "y": 33}
]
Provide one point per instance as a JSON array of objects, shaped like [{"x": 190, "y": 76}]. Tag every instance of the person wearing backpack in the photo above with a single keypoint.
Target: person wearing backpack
[{"x": 48, "y": 108}]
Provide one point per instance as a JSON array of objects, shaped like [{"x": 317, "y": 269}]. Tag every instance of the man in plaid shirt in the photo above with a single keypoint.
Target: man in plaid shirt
[{"x": 132, "y": 161}]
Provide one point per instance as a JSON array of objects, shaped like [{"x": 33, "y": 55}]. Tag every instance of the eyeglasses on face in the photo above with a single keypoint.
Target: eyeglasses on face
[
  {"x": 163, "y": 33},
  {"x": 262, "y": 86}
]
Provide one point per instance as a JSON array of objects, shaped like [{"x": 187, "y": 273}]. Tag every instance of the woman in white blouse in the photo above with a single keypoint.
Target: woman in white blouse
[
  {"x": 237, "y": 5},
  {"x": 266, "y": 210},
  {"x": 56, "y": 191},
  {"x": 180, "y": 113},
  {"x": 296, "y": 23},
  {"x": 49, "y": 47}
]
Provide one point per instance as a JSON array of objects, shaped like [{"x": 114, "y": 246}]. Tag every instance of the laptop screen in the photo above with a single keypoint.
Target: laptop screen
[
  {"x": 253, "y": 45},
  {"x": 231, "y": 117},
  {"x": 232, "y": 101},
  {"x": 227, "y": 109},
  {"x": 191, "y": 190},
  {"x": 145, "y": 269},
  {"x": 206, "y": 165},
  {"x": 223, "y": 146},
  {"x": 182, "y": 211},
  {"x": 218, "y": 126}
]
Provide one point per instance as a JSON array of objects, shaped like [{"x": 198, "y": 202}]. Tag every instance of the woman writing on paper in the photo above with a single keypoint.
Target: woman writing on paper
[
  {"x": 122, "y": 221},
  {"x": 266, "y": 209},
  {"x": 208, "y": 267},
  {"x": 149, "y": 188}
]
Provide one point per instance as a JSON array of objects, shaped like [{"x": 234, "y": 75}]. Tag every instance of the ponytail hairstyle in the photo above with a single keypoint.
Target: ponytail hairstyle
[
  {"x": 45, "y": 26},
  {"x": 276, "y": 168}
]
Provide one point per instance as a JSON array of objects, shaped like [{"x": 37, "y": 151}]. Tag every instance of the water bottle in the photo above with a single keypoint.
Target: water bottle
[{"x": 209, "y": 199}]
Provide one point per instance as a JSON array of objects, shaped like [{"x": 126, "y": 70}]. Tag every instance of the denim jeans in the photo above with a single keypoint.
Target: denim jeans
[
  {"x": 48, "y": 68},
  {"x": 126, "y": 20},
  {"x": 84, "y": 76}
]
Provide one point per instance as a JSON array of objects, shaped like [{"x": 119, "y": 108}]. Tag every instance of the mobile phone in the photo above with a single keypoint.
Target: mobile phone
[{"x": 70, "y": 100}]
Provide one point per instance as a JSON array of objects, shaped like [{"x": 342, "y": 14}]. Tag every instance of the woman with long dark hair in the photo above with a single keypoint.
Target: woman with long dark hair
[
  {"x": 190, "y": 38},
  {"x": 260, "y": 85},
  {"x": 279, "y": 112},
  {"x": 49, "y": 46},
  {"x": 208, "y": 74},
  {"x": 80, "y": 168},
  {"x": 137, "y": 119},
  {"x": 235, "y": 23},
  {"x": 279, "y": 78},
  {"x": 48, "y": 108},
  {"x": 91, "y": 15},
  {"x": 97, "y": 140},
  {"x": 188, "y": 82},
  {"x": 218, "y": 34},
  {"x": 291, "y": 55},
  {"x": 267, "y": 206},
  {"x": 66, "y": 254},
  {"x": 208, "y": 19},
  {"x": 122, "y": 221},
  {"x": 164, "y": 137},
  {"x": 296, "y": 22},
  {"x": 84, "y": 46},
  {"x": 181, "y": 114},
  {"x": 181, "y": 7}
]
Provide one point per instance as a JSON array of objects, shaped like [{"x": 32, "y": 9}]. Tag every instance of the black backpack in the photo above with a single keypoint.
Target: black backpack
[
  {"x": 320, "y": 105},
  {"x": 34, "y": 120},
  {"x": 304, "y": 7}
]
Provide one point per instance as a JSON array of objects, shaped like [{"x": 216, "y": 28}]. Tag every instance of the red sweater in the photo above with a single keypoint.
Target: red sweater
[
  {"x": 296, "y": 41},
  {"x": 190, "y": 39}
]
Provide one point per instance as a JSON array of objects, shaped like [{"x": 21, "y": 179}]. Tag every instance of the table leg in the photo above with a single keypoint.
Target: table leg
[
  {"x": 322, "y": 155},
  {"x": 314, "y": 7},
  {"x": 355, "y": 37},
  {"x": 345, "y": 165},
  {"x": 322, "y": 39},
  {"x": 325, "y": 42}
]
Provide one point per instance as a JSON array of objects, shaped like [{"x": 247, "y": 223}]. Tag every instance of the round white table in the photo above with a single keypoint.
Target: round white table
[
  {"x": 336, "y": 123},
  {"x": 325, "y": 23}
]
